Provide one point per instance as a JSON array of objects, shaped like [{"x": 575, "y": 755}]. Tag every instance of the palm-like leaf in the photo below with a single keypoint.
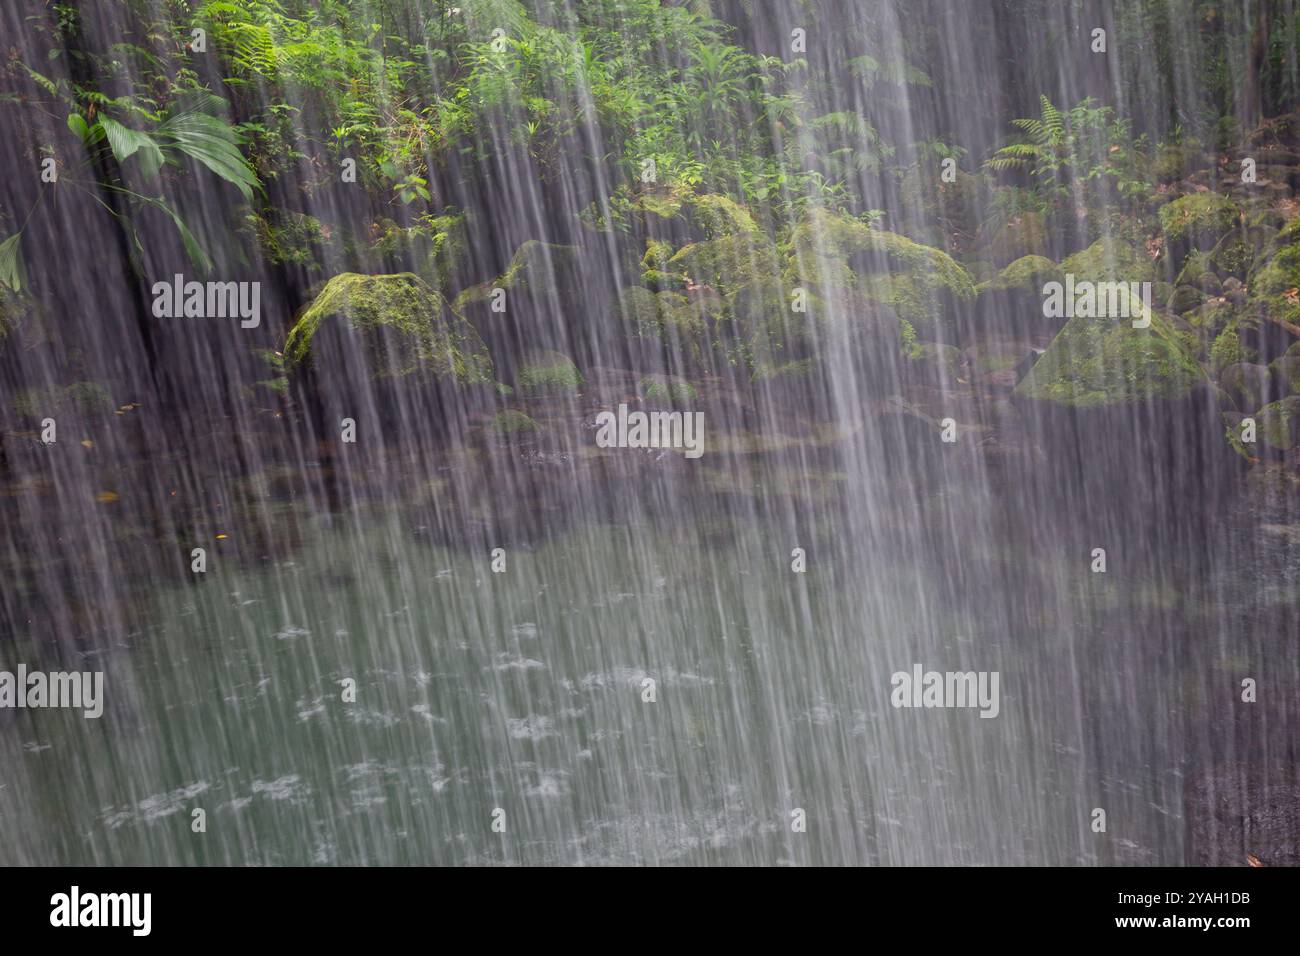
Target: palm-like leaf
[{"x": 11, "y": 263}]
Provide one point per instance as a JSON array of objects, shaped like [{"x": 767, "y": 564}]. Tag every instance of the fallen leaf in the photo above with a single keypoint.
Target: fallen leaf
[
  {"x": 1253, "y": 860},
  {"x": 221, "y": 537},
  {"x": 87, "y": 443},
  {"x": 106, "y": 497}
]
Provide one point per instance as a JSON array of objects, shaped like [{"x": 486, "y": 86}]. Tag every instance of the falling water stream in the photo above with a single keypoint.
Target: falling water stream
[{"x": 432, "y": 646}]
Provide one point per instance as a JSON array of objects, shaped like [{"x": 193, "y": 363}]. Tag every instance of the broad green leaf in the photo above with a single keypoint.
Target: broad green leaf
[
  {"x": 212, "y": 142},
  {"x": 191, "y": 244},
  {"x": 78, "y": 126},
  {"x": 126, "y": 142},
  {"x": 11, "y": 263}
]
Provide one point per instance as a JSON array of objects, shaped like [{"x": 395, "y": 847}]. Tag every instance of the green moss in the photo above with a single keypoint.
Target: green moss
[
  {"x": 403, "y": 327},
  {"x": 1228, "y": 349},
  {"x": 729, "y": 262},
  {"x": 1175, "y": 161},
  {"x": 1202, "y": 216},
  {"x": 833, "y": 252},
  {"x": 512, "y": 424},
  {"x": 1102, "y": 362},
  {"x": 721, "y": 216},
  {"x": 1273, "y": 286},
  {"x": 549, "y": 372},
  {"x": 435, "y": 244},
  {"x": 1233, "y": 254},
  {"x": 540, "y": 273},
  {"x": 1111, "y": 259},
  {"x": 797, "y": 371},
  {"x": 1196, "y": 265},
  {"x": 1185, "y": 299},
  {"x": 1279, "y": 423},
  {"x": 668, "y": 388},
  {"x": 1026, "y": 274}
]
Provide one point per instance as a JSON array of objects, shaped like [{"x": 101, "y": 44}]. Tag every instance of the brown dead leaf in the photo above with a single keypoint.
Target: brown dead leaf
[{"x": 1253, "y": 860}]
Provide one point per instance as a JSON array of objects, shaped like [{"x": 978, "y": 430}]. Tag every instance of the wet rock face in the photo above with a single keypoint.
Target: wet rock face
[{"x": 1238, "y": 811}]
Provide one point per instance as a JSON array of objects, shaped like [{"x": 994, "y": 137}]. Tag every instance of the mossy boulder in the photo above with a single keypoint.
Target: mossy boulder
[
  {"x": 725, "y": 264},
  {"x": 539, "y": 275},
  {"x": 934, "y": 363},
  {"x": 667, "y": 388},
  {"x": 395, "y": 326},
  {"x": 1286, "y": 373},
  {"x": 1027, "y": 274},
  {"x": 1174, "y": 161},
  {"x": 923, "y": 285},
  {"x": 1195, "y": 267},
  {"x": 1232, "y": 345},
  {"x": 674, "y": 210},
  {"x": 1275, "y": 286},
  {"x": 1196, "y": 221},
  {"x": 549, "y": 373},
  {"x": 1185, "y": 299},
  {"x": 1235, "y": 253},
  {"x": 1278, "y": 423},
  {"x": 1115, "y": 258},
  {"x": 1023, "y": 236},
  {"x": 786, "y": 375},
  {"x": 1108, "y": 363},
  {"x": 288, "y": 238},
  {"x": 1249, "y": 386},
  {"x": 512, "y": 425},
  {"x": 667, "y": 322}
]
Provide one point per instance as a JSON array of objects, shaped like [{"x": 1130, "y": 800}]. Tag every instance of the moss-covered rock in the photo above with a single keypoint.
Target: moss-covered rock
[
  {"x": 548, "y": 372},
  {"x": 1195, "y": 266},
  {"x": 727, "y": 263},
  {"x": 1023, "y": 236},
  {"x": 1174, "y": 161},
  {"x": 539, "y": 274},
  {"x": 1104, "y": 363},
  {"x": 1286, "y": 372},
  {"x": 934, "y": 363},
  {"x": 1278, "y": 424},
  {"x": 786, "y": 374},
  {"x": 672, "y": 209},
  {"x": 1115, "y": 258},
  {"x": 512, "y": 425},
  {"x": 396, "y": 324},
  {"x": 1028, "y": 274},
  {"x": 1235, "y": 253},
  {"x": 923, "y": 285},
  {"x": 1185, "y": 299},
  {"x": 1196, "y": 221},
  {"x": 1231, "y": 347},
  {"x": 667, "y": 388},
  {"x": 1275, "y": 286},
  {"x": 668, "y": 319},
  {"x": 1249, "y": 386}
]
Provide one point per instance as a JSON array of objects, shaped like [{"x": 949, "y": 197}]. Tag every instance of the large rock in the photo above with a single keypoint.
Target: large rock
[
  {"x": 1196, "y": 221},
  {"x": 1107, "y": 363},
  {"x": 388, "y": 350},
  {"x": 395, "y": 326},
  {"x": 1122, "y": 411},
  {"x": 924, "y": 286}
]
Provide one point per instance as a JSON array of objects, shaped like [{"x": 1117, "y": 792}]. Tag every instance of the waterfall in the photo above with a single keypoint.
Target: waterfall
[{"x": 696, "y": 432}]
